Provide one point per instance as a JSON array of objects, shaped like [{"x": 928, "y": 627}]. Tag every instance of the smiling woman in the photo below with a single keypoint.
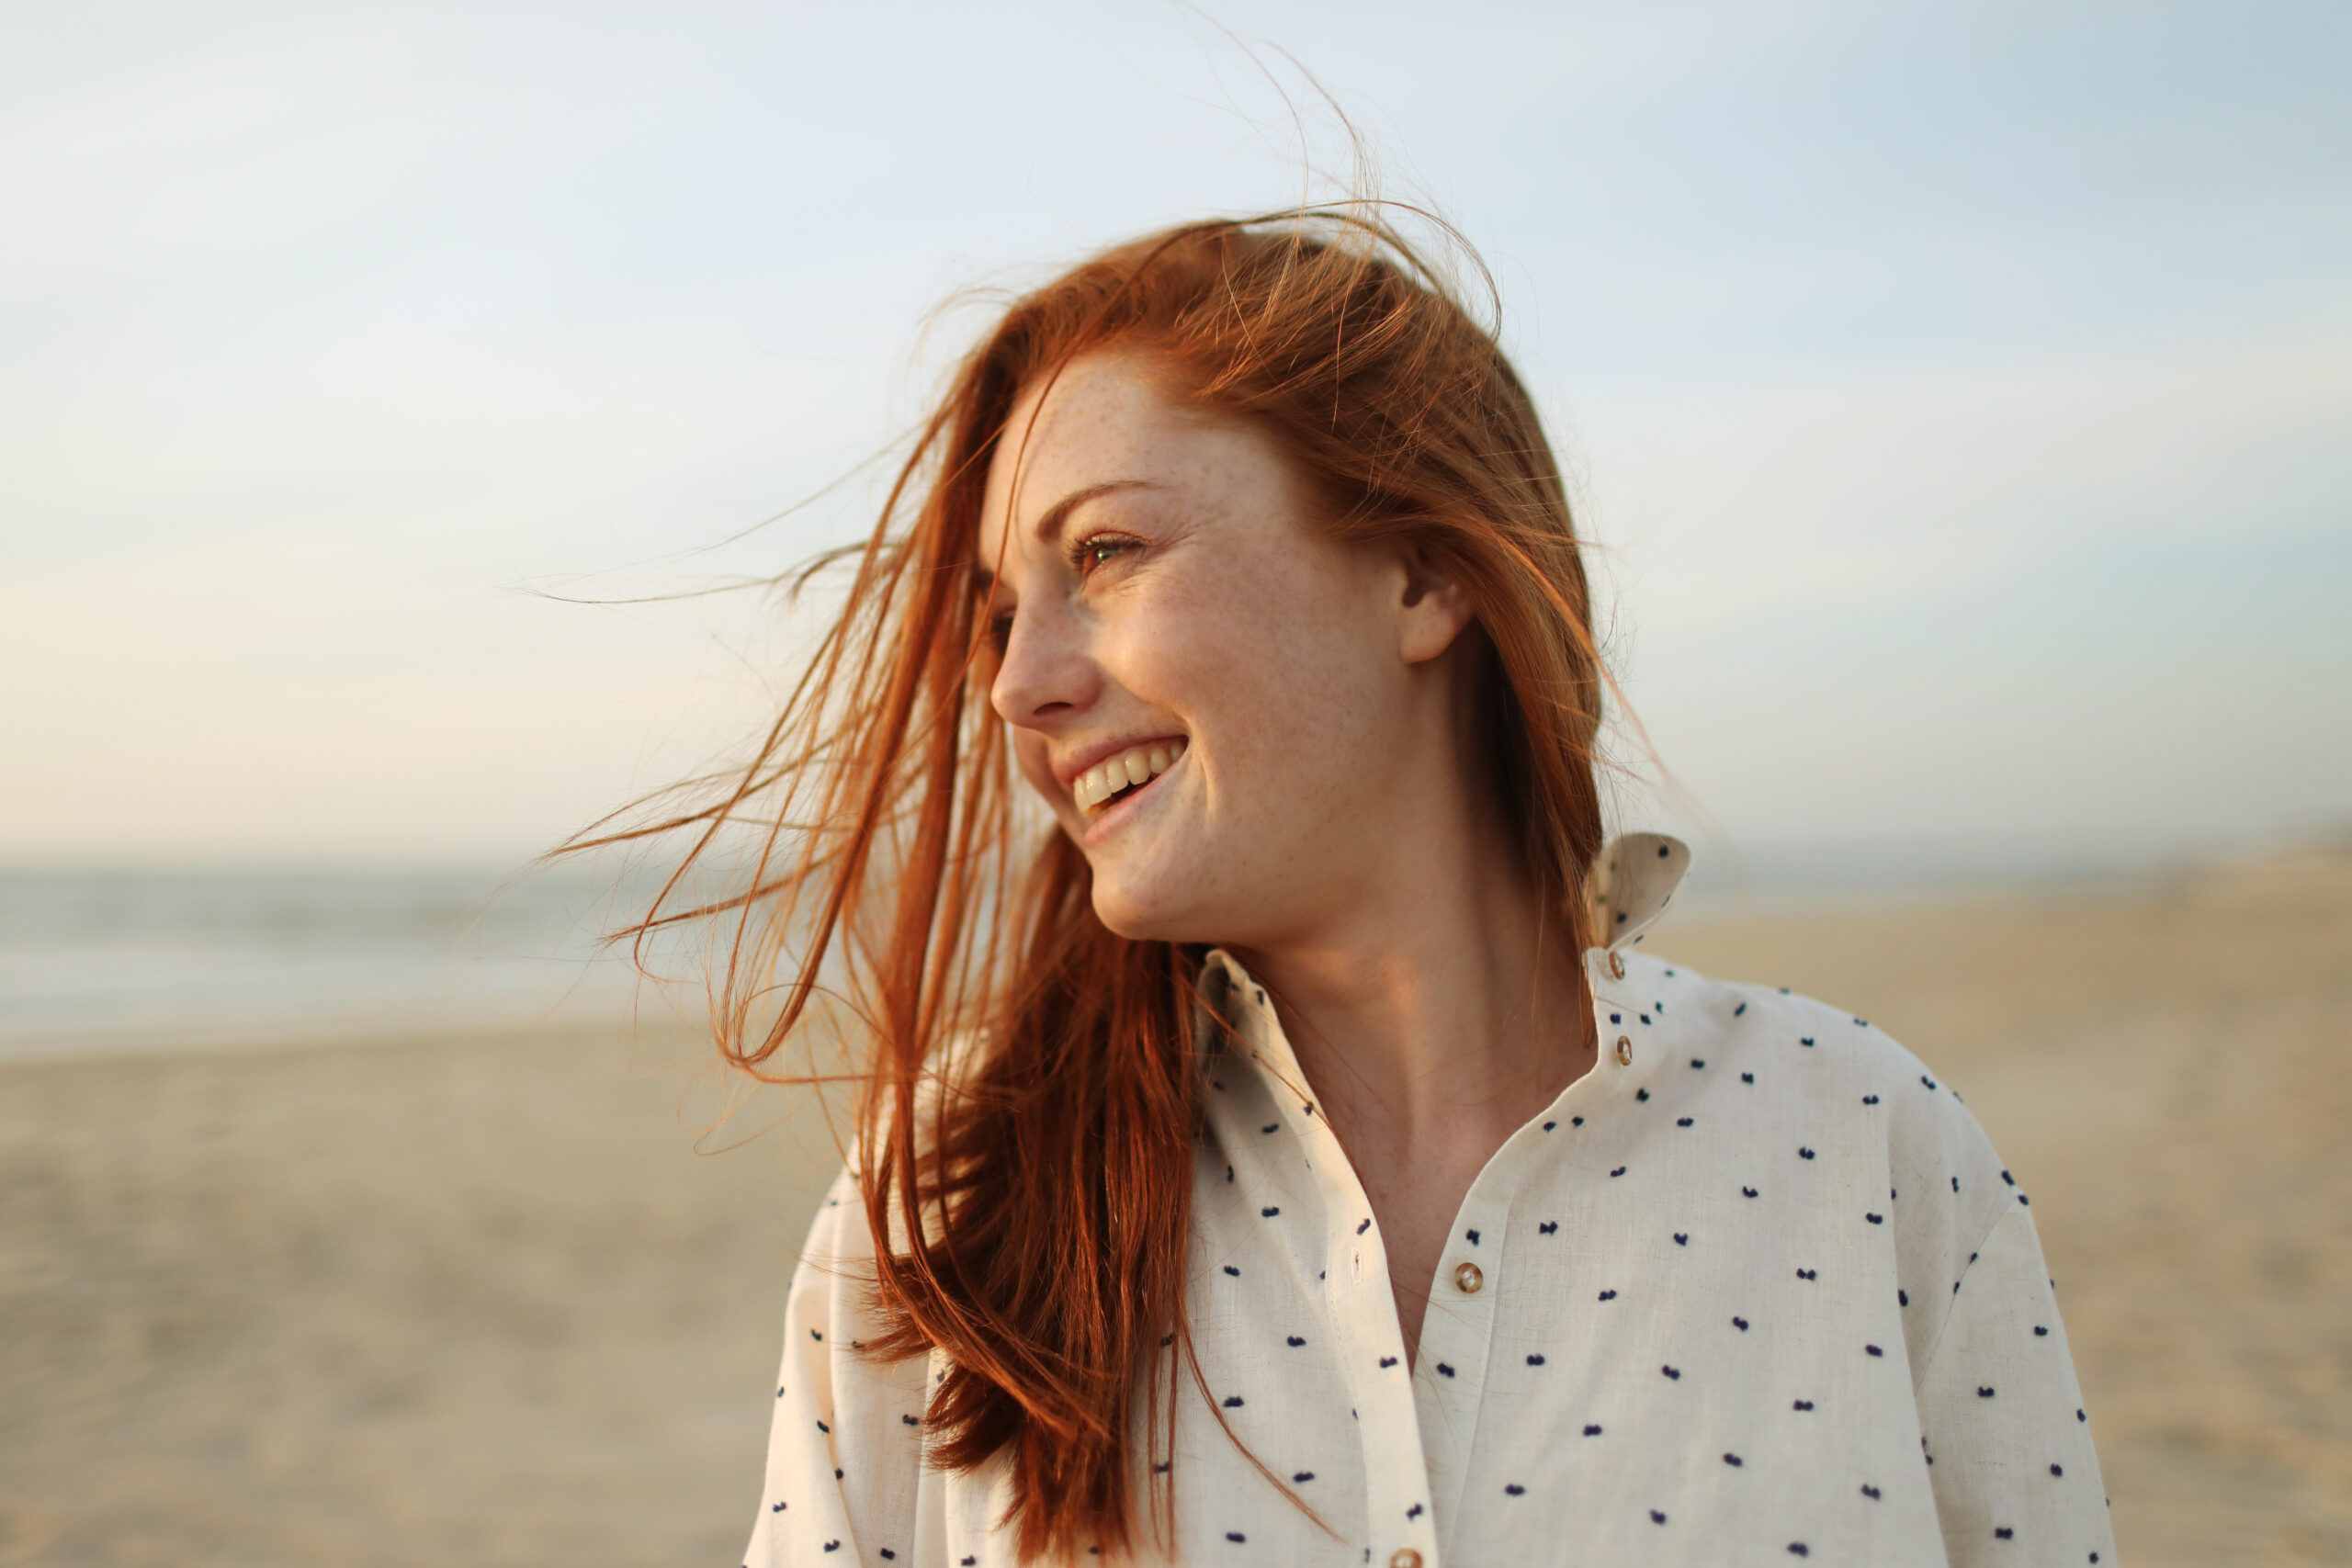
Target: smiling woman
[{"x": 1281, "y": 1155}]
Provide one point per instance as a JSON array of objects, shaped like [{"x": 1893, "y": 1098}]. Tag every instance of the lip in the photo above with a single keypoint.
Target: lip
[
  {"x": 1066, "y": 770},
  {"x": 1115, "y": 814}
]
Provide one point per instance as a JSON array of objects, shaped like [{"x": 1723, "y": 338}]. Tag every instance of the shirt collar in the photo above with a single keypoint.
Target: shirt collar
[
  {"x": 1236, "y": 1018},
  {"x": 1634, "y": 883}
]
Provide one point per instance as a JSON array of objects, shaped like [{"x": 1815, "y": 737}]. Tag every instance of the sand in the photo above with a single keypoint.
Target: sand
[
  {"x": 484, "y": 1303},
  {"x": 462, "y": 1304}
]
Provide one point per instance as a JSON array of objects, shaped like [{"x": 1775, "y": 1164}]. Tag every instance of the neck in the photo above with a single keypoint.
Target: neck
[{"x": 1443, "y": 1010}]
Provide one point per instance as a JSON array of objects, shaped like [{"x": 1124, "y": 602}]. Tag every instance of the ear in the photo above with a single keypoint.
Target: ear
[{"x": 1430, "y": 606}]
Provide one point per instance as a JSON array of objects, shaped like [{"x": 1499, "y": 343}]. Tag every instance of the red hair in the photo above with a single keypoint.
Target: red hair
[{"x": 1030, "y": 1196}]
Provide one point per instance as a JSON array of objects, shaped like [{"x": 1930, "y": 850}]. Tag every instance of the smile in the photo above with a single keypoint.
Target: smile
[{"x": 1113, "y": 780}]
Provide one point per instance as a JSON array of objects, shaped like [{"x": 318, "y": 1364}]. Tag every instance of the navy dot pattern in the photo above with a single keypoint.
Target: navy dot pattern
[{"x": 1764, "y": 1291}]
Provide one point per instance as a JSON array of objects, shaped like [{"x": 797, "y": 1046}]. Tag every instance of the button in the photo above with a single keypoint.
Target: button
[
  {"x": 1405, "y": 1557},
  {"x": 1616, "y": 965},
  {"x": 1624, "y": 1052},
  {"x": 1467, "y": 1279}
]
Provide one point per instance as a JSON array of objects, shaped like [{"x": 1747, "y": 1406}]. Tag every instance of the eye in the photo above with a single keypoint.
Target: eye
[
  {"x": 1093, "y": 550},
  {"x": 1084, "y": 555}
]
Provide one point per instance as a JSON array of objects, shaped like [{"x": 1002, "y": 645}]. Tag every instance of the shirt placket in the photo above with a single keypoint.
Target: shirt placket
[
  {"x": 1397, "y": 1483},
  {"x": 1457, "y": 1334},
  {"x": 1458, "y": 1331}
]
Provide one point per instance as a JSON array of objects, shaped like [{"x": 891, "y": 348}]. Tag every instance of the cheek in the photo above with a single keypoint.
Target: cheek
[{"x": 1275, "y": 682}]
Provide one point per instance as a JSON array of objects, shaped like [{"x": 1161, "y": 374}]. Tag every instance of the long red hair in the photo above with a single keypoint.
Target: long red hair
[{"x": 1033, "y": 1192}]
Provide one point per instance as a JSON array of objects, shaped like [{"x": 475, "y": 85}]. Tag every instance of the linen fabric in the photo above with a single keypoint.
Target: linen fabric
[{"x": 1754, "y": 1288}]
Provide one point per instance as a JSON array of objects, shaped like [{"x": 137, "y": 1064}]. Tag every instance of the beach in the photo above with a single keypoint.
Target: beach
[{"x": 496, "y": 1299}]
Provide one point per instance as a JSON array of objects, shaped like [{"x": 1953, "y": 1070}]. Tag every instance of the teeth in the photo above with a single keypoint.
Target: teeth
[{"x": 1137, "y": 764}]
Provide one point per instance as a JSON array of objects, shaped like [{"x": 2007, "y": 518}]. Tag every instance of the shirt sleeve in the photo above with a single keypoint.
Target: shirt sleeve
[
  {"x": 2007, "y": 1441},
  {"x": 845, "y": 1447}
]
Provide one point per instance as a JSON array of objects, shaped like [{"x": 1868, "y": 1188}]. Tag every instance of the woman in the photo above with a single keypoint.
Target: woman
[{"x": 1277, "y": 1152}]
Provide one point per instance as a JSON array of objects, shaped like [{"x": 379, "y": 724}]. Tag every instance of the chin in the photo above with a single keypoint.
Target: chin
[
  {"x": 1134, "y": 914},
  {"x": 1125, "y": 917}
]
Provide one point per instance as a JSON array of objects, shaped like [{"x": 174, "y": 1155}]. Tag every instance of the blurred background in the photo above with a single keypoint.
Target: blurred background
[{"x": 1959, "y": 401}]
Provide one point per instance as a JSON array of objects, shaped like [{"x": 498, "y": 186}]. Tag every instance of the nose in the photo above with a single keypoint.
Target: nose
[{"x": 1045, "y": 669}]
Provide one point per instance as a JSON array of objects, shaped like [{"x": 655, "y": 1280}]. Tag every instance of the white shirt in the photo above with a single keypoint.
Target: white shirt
[{"x": 1756, "y": 1287}]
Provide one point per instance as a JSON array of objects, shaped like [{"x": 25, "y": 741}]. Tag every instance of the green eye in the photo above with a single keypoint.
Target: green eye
[{"x": 1093, "y": 550}]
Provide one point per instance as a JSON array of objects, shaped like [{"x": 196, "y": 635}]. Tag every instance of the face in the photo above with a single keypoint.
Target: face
[{"x": 1173, "y": 628}]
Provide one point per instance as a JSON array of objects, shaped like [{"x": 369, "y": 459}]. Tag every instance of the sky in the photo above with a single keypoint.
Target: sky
[{"x": 1958, "y": 400}]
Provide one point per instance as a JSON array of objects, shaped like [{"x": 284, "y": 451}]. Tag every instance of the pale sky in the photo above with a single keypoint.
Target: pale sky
[{"x": 1959, "y": 398}]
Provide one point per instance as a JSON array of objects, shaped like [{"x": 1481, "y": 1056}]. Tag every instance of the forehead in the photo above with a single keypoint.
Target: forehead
[{"x": 1103, "y": 420}]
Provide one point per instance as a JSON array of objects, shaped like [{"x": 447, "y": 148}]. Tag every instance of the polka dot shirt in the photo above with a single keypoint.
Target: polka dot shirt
[{"x": 1756, "y": 1287}]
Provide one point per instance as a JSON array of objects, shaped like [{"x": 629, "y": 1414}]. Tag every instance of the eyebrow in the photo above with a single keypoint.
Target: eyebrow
[{"x": 1055, "y": 517}]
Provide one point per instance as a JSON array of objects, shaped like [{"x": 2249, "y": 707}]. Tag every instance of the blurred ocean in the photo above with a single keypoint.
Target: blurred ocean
[
  {"x": 1731, "y": 877},
  {"x": 120, "y": 960},
  {"x": 114, "y": 960}
]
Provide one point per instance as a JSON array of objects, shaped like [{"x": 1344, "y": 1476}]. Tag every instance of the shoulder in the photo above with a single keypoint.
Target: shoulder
[
  {"x": 1845, "y": 1080},
  {"x": 839, "y": 1249},
  {"x": 1872, "y": 1127},
  {"x": 841, "y": 1231}
]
